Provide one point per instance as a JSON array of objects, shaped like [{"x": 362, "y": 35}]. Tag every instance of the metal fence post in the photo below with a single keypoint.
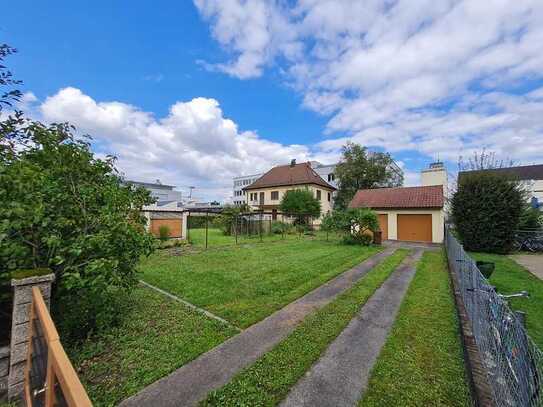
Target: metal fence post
[{"x": 207, "y": 215}]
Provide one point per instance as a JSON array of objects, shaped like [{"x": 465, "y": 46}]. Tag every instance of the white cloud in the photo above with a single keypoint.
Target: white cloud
[
  {"x": 193, "y": 145},
  {"x": 436, "y": 76}
]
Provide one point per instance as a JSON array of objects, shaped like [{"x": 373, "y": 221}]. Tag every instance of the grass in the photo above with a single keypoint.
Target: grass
[
  {"x": 245, "y": 283},
  {"x": 215, "y": 237},
  {"x": 510, "y": 277},
  {"x": 268, "y": 380},
  {"x": 421, "y": 363},
  {"x": 157, "y": 336}
]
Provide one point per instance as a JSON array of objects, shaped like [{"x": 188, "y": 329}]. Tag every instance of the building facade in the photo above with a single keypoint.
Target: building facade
[
  {"x": 266, "y": 192},
  {"x": 325, "y": 171}
]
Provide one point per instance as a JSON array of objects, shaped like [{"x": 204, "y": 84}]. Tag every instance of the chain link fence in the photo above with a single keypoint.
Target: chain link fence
[{"x": 513, "y": 363}]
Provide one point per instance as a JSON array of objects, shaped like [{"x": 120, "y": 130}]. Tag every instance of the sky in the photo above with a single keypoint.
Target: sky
[{"x": 195, "y": 93}]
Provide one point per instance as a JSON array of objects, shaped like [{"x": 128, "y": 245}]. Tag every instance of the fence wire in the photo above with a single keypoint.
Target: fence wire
[{"x": 513, "y": 362}]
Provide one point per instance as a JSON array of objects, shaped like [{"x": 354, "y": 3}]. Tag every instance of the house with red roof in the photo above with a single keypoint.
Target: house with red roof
[
  {"x": 413, "y": 214},
  {"x": 268, "y": 190}
]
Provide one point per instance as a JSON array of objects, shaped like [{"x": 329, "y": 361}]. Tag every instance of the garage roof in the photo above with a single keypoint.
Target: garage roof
[{"x": 404, "y": 197}]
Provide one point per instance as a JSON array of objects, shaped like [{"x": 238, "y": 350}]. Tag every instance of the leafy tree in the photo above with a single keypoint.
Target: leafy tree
[
  {"x": 7, "y": 80},
  {"x": 486, "y": 211},
  {"x": 360, "y": 169},
  {"x": 64, "y": 209},
  {"x": 301, "y": 203}
]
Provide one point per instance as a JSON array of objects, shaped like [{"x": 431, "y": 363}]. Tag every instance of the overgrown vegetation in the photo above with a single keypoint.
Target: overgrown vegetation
[
  {"x": 421, "y": 363},
  {"x": 486, "y": 210},
  {"x": 269, "y": 379},
  {"x": 360, "y": 169},
  {"x": 164, "y": 232},
  {"x": 226, "y": 220}
]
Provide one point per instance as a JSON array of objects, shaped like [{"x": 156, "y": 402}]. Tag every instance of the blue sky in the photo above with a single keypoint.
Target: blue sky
[{"x": 195, "y": 93}]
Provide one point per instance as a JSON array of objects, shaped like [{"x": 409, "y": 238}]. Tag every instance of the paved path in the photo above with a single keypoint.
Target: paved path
[
  {"x": 192, "y": 382},
  {"x": 533, "y": 262},
  {"x": 340, "y": 376}
]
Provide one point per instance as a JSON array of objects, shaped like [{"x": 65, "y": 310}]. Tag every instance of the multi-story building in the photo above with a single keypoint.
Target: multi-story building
[
  {"x": 268, "y": 190},
  {"x": 325, "y": 171},
  {"x": 159, "y": 191},
  {"x": 239, "y": 183}
]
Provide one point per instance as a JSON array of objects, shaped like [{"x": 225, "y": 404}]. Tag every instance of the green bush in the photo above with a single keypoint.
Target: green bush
[
  {"x": 530, "y": 219},
  {"x": 486, "y": 211},
  {"x": 355, "y": 239},
  {"x": 279, "y": 227},
  {"x": 64, "y": 209},
  {"x": 164, "y": 232},
  {"x": 301, "y": 204}
]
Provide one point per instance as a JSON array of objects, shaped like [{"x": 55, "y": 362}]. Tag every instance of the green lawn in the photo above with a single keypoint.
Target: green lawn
[
  {"x": 510, "y": 277},
  {"x": 421, "y": 363},
  {"x": 248, "y": 282},
  {"x": 158, "y": 335},
  {"x": 215, "y": 237},
  {"x": 268, "y": 380}
]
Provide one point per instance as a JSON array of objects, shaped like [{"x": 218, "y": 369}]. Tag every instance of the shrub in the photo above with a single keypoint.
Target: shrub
[
  {"x": 355, "y": 239},
  {"x": 486, "y": 211},
  {"x": 164, "y": 232},
  {"x": 530, "y": 219},
  {"x": 279, "y": 227},
  {"x": 227, "y": 219},
  {"x": 64, "y": 209}
]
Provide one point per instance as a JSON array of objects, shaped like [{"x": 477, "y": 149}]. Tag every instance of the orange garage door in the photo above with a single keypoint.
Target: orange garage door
[
  {"x": 383, "y": 225},
  {"x": 416, "y": 228},
  {"x": 173, "y": 224}
]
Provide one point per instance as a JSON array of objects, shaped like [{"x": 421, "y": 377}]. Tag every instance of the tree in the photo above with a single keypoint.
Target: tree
[
  {"x": 7, "y": 80},
  {"x": 530, "y": 219},
  {"x": 486, "y": 210},
  {"x": 64, "y": 209},
  {"x": 360, "y": 169},
  {"x": 301, "y": 203},
  {"x": 485, "y": 160},
  {"x": 356, "y": 224},
  {"x": 226, "y": 220}
]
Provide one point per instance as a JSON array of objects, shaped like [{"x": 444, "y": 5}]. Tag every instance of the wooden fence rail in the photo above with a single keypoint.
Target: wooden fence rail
[{"x": 50, "y": 379}]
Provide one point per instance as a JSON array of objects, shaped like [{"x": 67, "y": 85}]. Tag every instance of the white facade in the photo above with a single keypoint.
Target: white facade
[
  {"x": 162, "y": 193},
  {"x": 238, "y": 196}
]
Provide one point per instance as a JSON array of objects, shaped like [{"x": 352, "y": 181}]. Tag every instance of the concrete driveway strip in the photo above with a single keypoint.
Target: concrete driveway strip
[
  {"x": 532, "y": 262},
  {"x": 192, "y": 382},
  {"x": 340, "y": 376}
]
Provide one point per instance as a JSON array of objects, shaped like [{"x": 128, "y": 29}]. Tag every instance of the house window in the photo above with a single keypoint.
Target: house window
[
  {"x": 274, "y": 195},
  {"x": 319, "y": 194},
  {"x": 331, "y": 177},
  {"x": 328, "y": 196}
]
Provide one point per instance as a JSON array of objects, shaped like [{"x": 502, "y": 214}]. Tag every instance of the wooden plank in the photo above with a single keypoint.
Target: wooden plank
[
  {"x": 71, "y": 386},
  {"x": 49, "y": 330}
]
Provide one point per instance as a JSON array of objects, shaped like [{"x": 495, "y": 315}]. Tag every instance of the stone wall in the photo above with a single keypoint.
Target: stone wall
[
  {"x": 22, "y": 299},
  {"x": 4, "y": 370}
]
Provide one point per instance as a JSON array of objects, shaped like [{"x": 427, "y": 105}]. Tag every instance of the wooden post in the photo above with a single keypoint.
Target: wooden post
[
  {"x": 188, "y": 228},
  {"x": 207, "y": 215},
  {"x": 260, "y": 226}
]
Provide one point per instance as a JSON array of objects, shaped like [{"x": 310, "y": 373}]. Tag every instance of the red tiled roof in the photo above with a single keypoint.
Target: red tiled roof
[
  {"x": 404, "y": 197},
  {"x": 284, "y": 175}
]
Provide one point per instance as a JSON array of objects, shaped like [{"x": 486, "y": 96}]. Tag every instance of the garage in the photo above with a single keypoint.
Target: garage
[
  {"x": 415, "y": 228},
  {"x": 383, "y": 225},
  {"x": 412, "y": 214}
]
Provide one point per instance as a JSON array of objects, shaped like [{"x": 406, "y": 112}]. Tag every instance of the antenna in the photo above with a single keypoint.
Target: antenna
[{"x": 190, "y": 193}]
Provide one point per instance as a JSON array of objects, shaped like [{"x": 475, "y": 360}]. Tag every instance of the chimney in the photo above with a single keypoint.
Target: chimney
[
  {"x": 293, "y": 162},
  {"x": 435, "y": 174}
]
